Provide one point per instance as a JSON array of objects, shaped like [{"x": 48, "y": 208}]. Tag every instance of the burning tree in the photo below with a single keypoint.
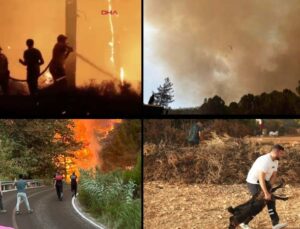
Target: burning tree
[
  {"x": 164, "y": 96},
  {"x": 121, "y": 146}
]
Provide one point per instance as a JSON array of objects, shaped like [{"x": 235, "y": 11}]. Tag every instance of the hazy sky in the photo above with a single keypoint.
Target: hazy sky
[
  {"x": 44, "y": 20},
  {"x": 224, "y": 47}
]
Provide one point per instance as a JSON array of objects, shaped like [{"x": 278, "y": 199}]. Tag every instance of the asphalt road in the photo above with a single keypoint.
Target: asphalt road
[{"x": 49, "y": 212}]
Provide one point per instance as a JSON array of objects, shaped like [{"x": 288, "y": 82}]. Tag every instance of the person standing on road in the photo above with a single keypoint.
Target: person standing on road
[
  {"x": 2, "y": 210},
  {"x": 262, "y": 176},
  {"x": 21, "y": 194},
  {"x": 73, "y": 178},
  {"x": 58, "y": 184},
  {"x": 195, "y": 134}
]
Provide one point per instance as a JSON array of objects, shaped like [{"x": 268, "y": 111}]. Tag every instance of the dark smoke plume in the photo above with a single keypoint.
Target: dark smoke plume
[{"x": 227, "y": 47}]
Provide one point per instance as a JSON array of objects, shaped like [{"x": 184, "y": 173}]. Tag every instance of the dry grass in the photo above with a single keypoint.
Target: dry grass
[
  {"x": 220, "y": 160},
  {"x": 191, "y": 187},
  {"x": 204, "y": 206}
]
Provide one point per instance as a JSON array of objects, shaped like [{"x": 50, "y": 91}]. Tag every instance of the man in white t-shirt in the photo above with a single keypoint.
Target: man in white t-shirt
[{"x": 262, "y": 176}]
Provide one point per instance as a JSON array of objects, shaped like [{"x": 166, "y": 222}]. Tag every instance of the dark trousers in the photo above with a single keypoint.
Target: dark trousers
[
  {"x": 74, "y": 188},
  {"x": 32, "y": 79},
  {"x": 59, "y": 190},
  {"x": 33, "y": 86},
  {"x": 1, "y": 204},
  {"x": 254, "y": 189}
]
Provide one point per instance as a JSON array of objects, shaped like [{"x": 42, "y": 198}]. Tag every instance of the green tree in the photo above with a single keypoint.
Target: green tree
[
  {"x": 165, "y": 95},
  {"x": 34, "y": 146}
]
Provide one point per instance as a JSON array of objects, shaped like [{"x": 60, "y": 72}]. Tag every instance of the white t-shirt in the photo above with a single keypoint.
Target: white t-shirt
[{"x": 262, "y": 164}]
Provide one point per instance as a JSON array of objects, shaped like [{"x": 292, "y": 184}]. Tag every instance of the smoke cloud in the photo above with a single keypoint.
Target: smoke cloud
[{"x": 229, "y": 48}]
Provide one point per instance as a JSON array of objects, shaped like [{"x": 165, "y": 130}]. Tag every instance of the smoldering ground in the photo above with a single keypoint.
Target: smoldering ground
[{"x": 229, "y": 48}]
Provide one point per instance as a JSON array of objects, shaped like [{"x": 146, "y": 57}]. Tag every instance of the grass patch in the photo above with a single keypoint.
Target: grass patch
[{"x": 114, "y": 198}]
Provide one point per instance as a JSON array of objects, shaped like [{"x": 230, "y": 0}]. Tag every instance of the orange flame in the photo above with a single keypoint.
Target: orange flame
[
  {"x": 88, "y": 156},
  {"x": 122, "y": 74}
]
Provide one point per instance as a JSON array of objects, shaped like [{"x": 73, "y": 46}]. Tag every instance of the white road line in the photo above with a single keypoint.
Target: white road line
[{"x": 84, "y": 217}]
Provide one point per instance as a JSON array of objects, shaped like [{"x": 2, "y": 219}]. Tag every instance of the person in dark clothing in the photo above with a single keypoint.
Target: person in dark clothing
[
  {"x": 58, "y": 183},
  {"x": 60, "y": 53},
  {"x": 195, "y": 133},
  {"x": 4, "y": 73},
  {"x": 73, "y": 178},
  {"x": 152, "y": 99},
  {"x": 32, "y": 59}
]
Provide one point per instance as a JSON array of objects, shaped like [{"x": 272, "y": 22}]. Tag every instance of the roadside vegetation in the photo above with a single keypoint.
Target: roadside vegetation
[
  {"x": 114, "y": 197},
  {"x": 112, "y": 192}
]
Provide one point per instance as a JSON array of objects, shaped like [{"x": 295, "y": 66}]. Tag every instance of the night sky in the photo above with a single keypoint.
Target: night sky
[{"x": 44, "y": 20}]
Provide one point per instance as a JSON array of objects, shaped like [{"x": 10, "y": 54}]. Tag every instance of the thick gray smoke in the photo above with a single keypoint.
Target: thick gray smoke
[{"x": 227, "y": 47}]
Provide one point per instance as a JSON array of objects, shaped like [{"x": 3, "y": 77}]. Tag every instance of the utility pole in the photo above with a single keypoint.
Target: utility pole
[{"x": 71, "y": 32}]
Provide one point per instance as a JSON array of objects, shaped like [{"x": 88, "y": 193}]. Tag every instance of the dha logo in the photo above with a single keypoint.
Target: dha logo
[{"x": 109, "y": 12}]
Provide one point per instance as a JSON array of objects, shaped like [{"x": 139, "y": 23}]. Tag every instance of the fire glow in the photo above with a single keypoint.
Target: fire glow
[
  {"x": 122, "y": 74},
  {"x": 49, "y": 78},
  {"x": 88, "y": 156}
]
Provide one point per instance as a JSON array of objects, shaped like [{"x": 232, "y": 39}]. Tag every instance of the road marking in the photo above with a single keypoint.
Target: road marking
[
  {"x": 83, "y": 216},
  {"x": 15, "y": 225}
]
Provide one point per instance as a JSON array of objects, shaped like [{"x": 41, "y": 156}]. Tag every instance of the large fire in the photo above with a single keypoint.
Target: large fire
[{"x": 85, "y": 131}]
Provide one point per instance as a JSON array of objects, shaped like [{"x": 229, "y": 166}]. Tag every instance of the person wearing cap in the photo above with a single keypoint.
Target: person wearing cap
[
  {"x": 262, "y": 176},
  {"x": 59, "y": 54},
  {"x": 4, "y": 73},
  {"x": 32, "y": 59}
]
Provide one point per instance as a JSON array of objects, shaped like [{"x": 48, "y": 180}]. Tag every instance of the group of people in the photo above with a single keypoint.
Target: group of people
[
  {"x": 58, "y": 184},
  {"x": 33, "y": 59},
  {"x": 21, "y": 185}
]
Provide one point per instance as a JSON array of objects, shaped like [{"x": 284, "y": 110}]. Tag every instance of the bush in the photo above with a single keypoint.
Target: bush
[
  {"x": 109, "y": 197},
  {"x": 135, "y": 174}
]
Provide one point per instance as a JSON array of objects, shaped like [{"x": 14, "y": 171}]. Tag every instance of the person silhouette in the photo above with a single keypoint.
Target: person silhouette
[
  {"x": 60, "y": 53},
  {"x": 152, "y": 99},
  {"x": 4, "y": 72},
  {"x": 32, "y": 59}
]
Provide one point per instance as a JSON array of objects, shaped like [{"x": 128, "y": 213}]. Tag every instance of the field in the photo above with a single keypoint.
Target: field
[
  {"x": 204, "y": 206},
  {"x": 178, "y": 194}
]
